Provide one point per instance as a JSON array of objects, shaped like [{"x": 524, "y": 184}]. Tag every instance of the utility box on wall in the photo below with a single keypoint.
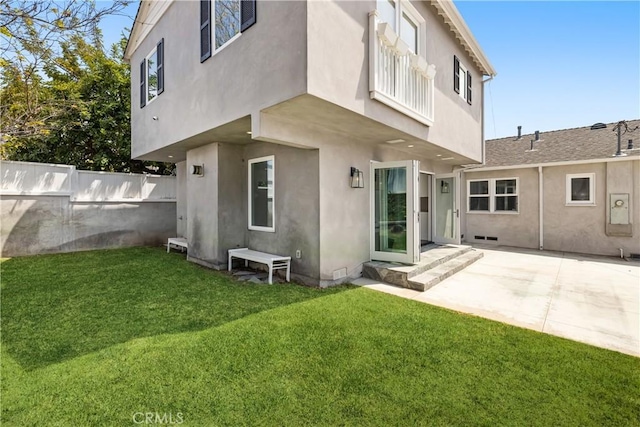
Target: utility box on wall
[
  {"x": 618, "y": 224},
  {"x": 619, "y": 208}
]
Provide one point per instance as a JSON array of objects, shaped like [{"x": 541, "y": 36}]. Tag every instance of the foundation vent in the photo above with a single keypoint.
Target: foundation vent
[
  {"x": 493, "y": 239},
  {"x": 479, "y": 237},
  {"x": 339, "y": 274}
]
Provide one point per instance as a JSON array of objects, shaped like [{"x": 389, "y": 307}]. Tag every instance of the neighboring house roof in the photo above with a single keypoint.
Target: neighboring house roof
[{"x": 577, "y": 144}]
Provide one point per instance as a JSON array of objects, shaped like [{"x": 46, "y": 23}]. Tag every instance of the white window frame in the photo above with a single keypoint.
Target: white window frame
[
  {"x": 403, "y": 6},
  {"x": 271, "y": 229},
  {"x": 469, "y": 195},
  {"x": 493, "y": 195},
  {"x": 215, "y": 50},
  {"x": 592, "y": 189},
  {"x": 146, "y": 74},
  {"x": 462, "y": 72}
]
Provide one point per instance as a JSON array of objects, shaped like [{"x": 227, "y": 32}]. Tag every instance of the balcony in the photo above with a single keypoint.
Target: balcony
[{"x": 398, "y": 77}]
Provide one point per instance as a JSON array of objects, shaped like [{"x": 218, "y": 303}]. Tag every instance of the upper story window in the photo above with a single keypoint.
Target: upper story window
[
  {"x": 226, "y": 21},
  {"x": 152, "y": 74},
  {"x": 492, "y": 195},
  {"x": 461, "y": 80},
  {"x": 400, "y": 14},
  {"x": 230, "y": 18},
  {"x": 581, "y": 189}
]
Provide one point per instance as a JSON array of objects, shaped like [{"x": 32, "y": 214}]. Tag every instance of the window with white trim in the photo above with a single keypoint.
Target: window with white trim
[
  {"x": 400, "y": 14},
  {"x": 152, "y": 74},
  {"x": 224, "y": 22},
  {"x": 492, "y": 195},
  {"x": 461, "y": 80},
  {"x": 261, "y": 194},
  {"x": 581, "y": 189}
]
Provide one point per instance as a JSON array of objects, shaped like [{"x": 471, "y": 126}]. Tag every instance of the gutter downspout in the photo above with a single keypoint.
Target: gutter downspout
[
  {"x": 541, "y": 206},
  {"x": 482, "y": 118}
]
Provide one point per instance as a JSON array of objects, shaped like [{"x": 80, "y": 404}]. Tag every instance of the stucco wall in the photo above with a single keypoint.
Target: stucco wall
[
  {"x": 217, "y": 209},
  {"x": 296, "y": 207},
  {"x": 341, "y": 76},
  {"x": 345, "y": 211},
  {"x": 262, "y": 67},
  {"x": 49, "y": 224},
  {"x": 580, "y": 229},
  {"x": 202, "y": 206},
  {"x": 512, "y": 229},
  {"x": 181, "y": 199}
]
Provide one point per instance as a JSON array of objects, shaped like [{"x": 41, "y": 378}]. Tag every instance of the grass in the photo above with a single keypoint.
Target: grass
[{"x": 95, "y": 338}]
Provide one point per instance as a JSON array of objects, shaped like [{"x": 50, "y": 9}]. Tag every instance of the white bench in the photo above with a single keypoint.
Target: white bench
[
  {"x": 178, "y": 243},
  {"x": 274, "y": 262}
]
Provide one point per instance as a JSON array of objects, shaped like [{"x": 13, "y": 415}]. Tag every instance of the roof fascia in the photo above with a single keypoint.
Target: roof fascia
[
  {"x": 143, "y": 24},
  {"x": 456, "y": 23},
  {"x": 550, "y": 164}
]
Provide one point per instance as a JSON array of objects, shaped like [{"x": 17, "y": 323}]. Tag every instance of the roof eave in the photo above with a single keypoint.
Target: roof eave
[
  {"x": 454, "y": 20},
  {"x": 127, "y": 50}
]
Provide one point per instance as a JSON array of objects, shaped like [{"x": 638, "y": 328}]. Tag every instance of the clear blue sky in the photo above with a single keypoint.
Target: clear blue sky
[{"x": 560, "y": 64}]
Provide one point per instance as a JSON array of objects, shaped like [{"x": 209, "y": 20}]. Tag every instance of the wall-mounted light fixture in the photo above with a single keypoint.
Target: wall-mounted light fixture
[
  {"x": 444, "y": 187},
  {"x": 357, "y": 178},
  {"x": 197, "y": 170}
]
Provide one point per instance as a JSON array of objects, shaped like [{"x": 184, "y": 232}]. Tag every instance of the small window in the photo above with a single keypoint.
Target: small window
[
  {"x": 581, "y": 189},
  {"x": 230, "y": 18},
  {"x": 506, "y": 195},
  {"x": 462, "y": 80},
  {"x": 261, "y": 194},
  {"x": 493, "y": 195},
  {"x": 227, "y": 21},
  {"x": 479, "y": 196},
  {"x": 152, "y": 75}
]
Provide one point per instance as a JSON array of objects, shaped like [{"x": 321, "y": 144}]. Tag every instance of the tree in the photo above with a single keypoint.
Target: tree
[
  {"x": 64, "y": 99},
  {"x": 32, "y": 34}
]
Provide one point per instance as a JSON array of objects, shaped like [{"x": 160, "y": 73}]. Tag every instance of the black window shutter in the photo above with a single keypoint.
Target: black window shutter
[
  {"x": 205, "y": 29},
  {"x": 160, "y": 54},
  {"x": 247, "y": 14},
  {"x": 143, "y": 89},
  {"x": 456, "y": 74},
  {"x": 468, "y": 88}
]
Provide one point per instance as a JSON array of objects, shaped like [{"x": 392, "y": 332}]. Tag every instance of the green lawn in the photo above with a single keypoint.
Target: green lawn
[{"x": 99, "y": 338}]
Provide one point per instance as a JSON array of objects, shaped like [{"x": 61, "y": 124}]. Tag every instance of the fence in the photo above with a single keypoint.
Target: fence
[
  {"x": 24, "y": 178},
  {"x": 55, "y": 208}
]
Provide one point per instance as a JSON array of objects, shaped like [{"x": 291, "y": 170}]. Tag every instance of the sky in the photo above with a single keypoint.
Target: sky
[{"x": 560, "y": 64}]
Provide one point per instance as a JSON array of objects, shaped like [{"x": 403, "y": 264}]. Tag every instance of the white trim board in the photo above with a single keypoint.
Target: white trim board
[{"x": 551, "y": 164}]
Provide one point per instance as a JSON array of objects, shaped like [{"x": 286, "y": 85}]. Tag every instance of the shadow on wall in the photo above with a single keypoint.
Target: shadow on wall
[{"x": 48, "y": 224}]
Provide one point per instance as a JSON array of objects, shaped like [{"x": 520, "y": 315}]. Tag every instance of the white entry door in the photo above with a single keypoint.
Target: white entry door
[
  {"x": 395, "y": 231},
  {"x": 446, "y": 217}
]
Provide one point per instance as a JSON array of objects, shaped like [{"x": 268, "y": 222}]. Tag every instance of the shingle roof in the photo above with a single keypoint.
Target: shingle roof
[{"x": 560, "y": 146}]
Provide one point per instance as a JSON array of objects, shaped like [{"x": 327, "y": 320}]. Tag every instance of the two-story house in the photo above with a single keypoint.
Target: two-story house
[{"x": 328, "y": 131}]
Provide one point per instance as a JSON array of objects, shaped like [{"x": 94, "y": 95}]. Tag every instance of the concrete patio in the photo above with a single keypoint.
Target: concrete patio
[{"x": 595, "y": 300}]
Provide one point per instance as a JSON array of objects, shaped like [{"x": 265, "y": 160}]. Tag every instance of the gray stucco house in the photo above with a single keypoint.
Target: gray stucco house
[
  {"x": 329, "y": 131},
  {"x": 565, "y": 190}
]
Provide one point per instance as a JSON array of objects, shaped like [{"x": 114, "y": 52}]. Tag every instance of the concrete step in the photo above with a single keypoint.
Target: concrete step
[
  {"x": 400, "y": 274},
  {"x": 432, "y": 277}
]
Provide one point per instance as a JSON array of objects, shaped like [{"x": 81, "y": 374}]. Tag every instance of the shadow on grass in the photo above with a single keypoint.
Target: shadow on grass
[{"x": 57, "y": 307}]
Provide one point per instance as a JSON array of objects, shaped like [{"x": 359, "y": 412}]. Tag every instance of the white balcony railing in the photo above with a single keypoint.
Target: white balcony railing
[{"x": 397, "y": 76}]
